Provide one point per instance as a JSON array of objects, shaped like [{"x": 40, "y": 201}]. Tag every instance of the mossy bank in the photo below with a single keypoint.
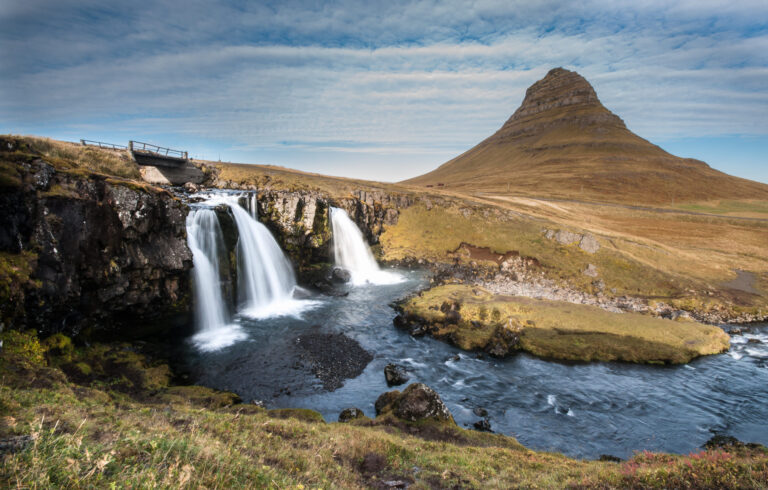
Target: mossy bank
[{"x": 474, "y": 319}]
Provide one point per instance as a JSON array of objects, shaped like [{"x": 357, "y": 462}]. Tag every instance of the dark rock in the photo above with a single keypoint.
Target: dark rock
[
  {"x": 350, "y": 414},
  {"x": 395, "y": 375},
  {"x": 455, "y": 358},
  {"x": 400, "y": 321},
  {"x": 385, "y": 400},
  {"x": 340, "y": 276},
  {"x": 452, "y": 317},
  {"x": 480, "y": 412},
  {"x": 15, "y": 444},
  {"x": 373, "y": 463},
  {"x": 753, "y": 341},
  {"x": 721, "y": 441},
  {"x": 333, "y": 358},
  {"x": 503, "y": 342},
  {"x": 110, "y": 256},
  {"x": 482, "y": 425},
  {"x": 609, "y": 458},
  {"x": 417, "y": 402}
]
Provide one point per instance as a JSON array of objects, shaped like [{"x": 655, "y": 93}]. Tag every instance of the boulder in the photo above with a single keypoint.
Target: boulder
[
  {"x": 482, "y": 425},
  {"x": 589, "y": 244},
  {"x": 340, "y": 276},
  {"x": 417, "y": 402},
  {"x": 191, "y": 188},
  {"x": 590, "y": 271},
  {"x": 395, "y": 375},
  {"x": 350, "y": 414}
]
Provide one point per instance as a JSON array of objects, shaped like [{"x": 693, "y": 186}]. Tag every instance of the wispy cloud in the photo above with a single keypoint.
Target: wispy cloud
[{"x": 416, "y": 82}]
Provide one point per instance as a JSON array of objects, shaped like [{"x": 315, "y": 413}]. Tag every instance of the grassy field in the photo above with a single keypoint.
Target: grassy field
[
  {"x": 559, "y": 330},
  {"x": 125, "y": 427}
]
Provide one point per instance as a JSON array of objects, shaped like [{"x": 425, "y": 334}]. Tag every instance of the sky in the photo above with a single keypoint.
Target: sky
[{"x": 379, "y": 90}]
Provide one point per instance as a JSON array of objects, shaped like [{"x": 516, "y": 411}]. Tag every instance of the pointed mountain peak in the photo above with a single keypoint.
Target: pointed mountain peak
[
  {"x": 563, "y": 96},
  {"x": 563, "y": 143},
  {"x": 559, "y": 88}
]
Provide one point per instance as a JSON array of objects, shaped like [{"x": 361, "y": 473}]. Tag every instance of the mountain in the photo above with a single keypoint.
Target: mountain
[{"x": 563, "y": 143}]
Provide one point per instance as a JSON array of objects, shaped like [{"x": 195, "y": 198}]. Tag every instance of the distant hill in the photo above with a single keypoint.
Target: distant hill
[{"x": 563, "y": 143}]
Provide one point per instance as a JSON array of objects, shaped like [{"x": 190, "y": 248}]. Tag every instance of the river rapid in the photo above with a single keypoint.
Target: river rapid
[{"x": 583, "y": 410}]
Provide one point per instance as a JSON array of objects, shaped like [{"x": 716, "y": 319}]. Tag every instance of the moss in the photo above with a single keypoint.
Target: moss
[
  {"x": 58, "y": 347},
  {"x": 199, "y": 396},
  {"x": 9, "y": 176},
  {"x": 23, "y": 346},
  {"x": 560, "y": 330},
  {"x": 15, "y": 272},
  {"x": 302, "y": 414}
]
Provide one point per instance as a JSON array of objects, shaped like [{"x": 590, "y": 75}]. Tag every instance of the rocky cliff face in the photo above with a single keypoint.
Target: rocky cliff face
[
  {"x": 562, "y": 98},
  {"x": 301, "y": 222},
  {"x": 97, "y": 253}
]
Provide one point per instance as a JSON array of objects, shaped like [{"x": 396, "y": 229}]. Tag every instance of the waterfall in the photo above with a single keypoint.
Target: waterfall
[
  {"x": 350, "y": 252},
  {"x": 266, "y": 282},
  {"x": 266, "y": 279},
  {"x": 204, "y": 238}
]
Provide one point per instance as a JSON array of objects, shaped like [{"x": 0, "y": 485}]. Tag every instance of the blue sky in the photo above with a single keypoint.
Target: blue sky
[{"x": 382, "y": 92}]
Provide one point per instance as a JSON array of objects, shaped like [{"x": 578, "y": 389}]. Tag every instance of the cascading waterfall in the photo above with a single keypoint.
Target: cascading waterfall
[
  {"x": 266, "y": 281},
  {"x": 265, "y": 275},
  {"x": 205, "y": 241},
  {"x": 350, "y": 252}
]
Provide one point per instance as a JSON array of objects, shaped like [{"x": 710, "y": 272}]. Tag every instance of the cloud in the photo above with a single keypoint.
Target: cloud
[{"x": 422, "y": 79}]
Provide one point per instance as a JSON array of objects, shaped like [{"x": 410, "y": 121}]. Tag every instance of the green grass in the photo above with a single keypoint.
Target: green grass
[
  {"x": 433, "y": 234},
  {"x": 554, "y": 329},
  {"x": 727, "y": 207},
  {"x": 99, "y": 433}
]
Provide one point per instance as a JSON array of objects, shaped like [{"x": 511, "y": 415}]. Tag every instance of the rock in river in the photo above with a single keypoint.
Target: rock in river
[
  {"x": 417, "y": 402},
  {"x": 333, "y": 358},
  {"x": 395, "y": 374}
]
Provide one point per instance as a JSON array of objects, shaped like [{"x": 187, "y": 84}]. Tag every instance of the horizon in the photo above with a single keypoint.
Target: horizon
[{"x": 383, "y": 93}]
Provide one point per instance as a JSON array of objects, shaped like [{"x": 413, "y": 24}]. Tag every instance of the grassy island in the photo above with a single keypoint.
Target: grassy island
[{"x": 474, "y": 319}]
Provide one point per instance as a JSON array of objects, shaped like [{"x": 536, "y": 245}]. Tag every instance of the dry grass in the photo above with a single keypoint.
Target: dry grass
[
  {"x": 89, "y": 435},
  {"x": 117, "y": 163},
  {"x": 272, "y": 176},
  {"x": 558, "y": 330}
]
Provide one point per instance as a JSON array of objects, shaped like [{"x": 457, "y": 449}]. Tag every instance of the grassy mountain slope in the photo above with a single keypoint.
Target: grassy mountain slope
[{"x": 563, "y": 143}]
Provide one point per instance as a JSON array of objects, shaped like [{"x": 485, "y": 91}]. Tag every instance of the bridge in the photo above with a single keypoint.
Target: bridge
[{"x": 149, "y": 154}]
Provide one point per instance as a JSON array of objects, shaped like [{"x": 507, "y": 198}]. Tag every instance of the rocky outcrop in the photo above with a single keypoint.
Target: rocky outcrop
[
  {"x": 103, "y": 254},
  {"x": 301, "y": 222},
  {"x": 417, "y": 402}
]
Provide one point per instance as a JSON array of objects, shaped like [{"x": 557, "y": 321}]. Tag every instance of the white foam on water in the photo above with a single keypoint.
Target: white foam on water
[
  {"x": 551, "y": 400},
  {"x": 211, "y": 340}
]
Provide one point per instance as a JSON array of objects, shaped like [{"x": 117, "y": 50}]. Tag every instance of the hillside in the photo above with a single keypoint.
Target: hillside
[{"x": 563, "y": 143}]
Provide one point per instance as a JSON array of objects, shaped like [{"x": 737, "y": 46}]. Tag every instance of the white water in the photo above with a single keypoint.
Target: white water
[
  {"x": 266, "y": 281},
  {"x": 265, "y": 276},
  {"x": 350, "y": 252},
  {"x": 205, "y": 241}
]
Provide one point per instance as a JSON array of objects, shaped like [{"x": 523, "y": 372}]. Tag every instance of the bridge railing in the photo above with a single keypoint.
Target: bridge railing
[
  {"x": 156, "y": 150},
  {"x": 101, "y": 144}
]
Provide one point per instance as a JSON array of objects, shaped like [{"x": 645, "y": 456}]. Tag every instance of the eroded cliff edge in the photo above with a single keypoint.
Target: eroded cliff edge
[{"x": 83, "y": 250}]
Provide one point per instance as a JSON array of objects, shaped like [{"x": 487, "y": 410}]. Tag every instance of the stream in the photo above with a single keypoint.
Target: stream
[{"x": 583, "y": 410}]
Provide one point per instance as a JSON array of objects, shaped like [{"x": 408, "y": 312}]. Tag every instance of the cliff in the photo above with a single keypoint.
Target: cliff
[{"x": 86, "y": 250}]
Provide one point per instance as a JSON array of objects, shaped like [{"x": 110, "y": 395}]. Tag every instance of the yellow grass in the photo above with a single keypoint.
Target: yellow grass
[{"x": 566, "y": 331}]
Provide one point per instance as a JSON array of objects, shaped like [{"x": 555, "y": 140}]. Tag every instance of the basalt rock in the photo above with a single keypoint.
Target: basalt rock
[
  {"x": 350, "y": 414},
  {"x": 395, "y": 375},
  {"x": 301, "y": 223},
  {"x": 417, "y": 402},
  {"x": 104, "y": 254}
]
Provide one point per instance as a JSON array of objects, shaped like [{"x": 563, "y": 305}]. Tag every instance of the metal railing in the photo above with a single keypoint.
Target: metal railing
[
  {"x": 101, "y": 144},
  {"x": 156, "y": 150}
]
